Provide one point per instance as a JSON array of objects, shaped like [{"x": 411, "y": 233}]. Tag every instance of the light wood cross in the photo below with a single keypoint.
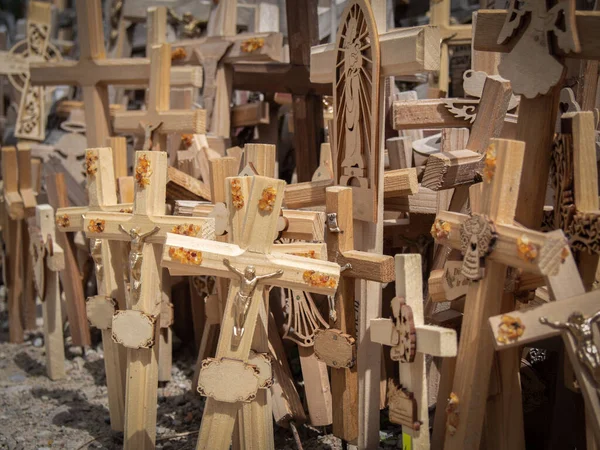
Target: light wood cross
[
  {"x": 135, "y": 327},
  {"x": 158, "y": 119},
  {"x": 48, "y": 260},
  {"x": 411, "y": 340},
  {"x": 490, "y": 242},
  {"x": 439, "y": 16},
  {"x": 336, "y": 346},
  {"x": 535, "y": 69},
  {"x": 576, "y": 316},
  {"x": 102, "y": 193},
  {"x": 254, "y": 204},
  {"x": 94, "y": 72},
  {"x": 32, "y": 113}
]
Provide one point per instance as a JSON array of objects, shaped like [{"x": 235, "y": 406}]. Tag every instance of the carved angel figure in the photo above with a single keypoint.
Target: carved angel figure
[
  {"x": 248, "y": 282},
  {"x": 531, "y": 66},
  {"x": 135, "y": 257},
  {"x": 581, "y": 329}
]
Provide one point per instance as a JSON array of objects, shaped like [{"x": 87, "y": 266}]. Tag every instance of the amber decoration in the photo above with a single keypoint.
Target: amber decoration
[
  {"x": 143, "y": 171},
  {"x": 252, "y": 44},
  {"x": 186, "y": 229},
  {"x": 63, "y": 221},
  {"x": 440, "y": 229},
  {"x": 510, "y": 329},
  {"x": 237, "y": 198},
  {"x": 96, "y": 226},
  {"x": 527, "y": 250},
  {"x": 185, "y": 256},
  {"x": 267, "y": 199},
  {"x": 489, "y": 168},
  {"x": 318, "y": 279}
]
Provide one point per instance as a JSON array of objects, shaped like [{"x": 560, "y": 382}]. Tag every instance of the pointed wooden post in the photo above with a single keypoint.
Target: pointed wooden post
[{"x": 408, "y": 402}]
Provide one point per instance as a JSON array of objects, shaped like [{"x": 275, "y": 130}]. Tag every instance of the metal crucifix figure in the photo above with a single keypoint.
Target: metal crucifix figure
[
  {"x": 580, "y": 328},
  {"x": 248, "y": 282},
  {"x": 135, "y": 257}
]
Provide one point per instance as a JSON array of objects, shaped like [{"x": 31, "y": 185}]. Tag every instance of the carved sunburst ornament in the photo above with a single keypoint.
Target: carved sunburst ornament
[{"x": 303, "y": 318}]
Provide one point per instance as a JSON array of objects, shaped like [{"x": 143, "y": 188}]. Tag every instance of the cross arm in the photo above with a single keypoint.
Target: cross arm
[
  {"x": 71, "y": 219},
  {"x": 528, "y": 319},
  {"x": 311, "y": 275},
  {"x": 368, "y": 266},
  {"x": 173, "y": 121},
  {"x": 431, "y": 340},
  {"x": 491, "y": 22},
  {"x": 547, "y": 247},
  {"x": 404, "y": 51},
  {"x": 105, "y": 225}
]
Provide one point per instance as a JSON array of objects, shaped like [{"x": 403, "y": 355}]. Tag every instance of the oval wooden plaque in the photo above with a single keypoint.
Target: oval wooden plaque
[
  {"x": 262, "y": 361},
  {"x": 100, "y": 311},
  {"x": 334, "y": 348},
  {"x": 214, "y": 376},
  {"x": 133, "y": 329}
]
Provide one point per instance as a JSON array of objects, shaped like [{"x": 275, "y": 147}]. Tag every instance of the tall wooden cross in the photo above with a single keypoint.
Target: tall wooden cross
[
  {"x": 48, "y": 259},
  {"x": 254, "y": 204},
  {"x": 32, "y": 114},
  {"x": 134, "y": 327},
  {"x": 535, "y": 69},
  {"x": 490, "y": 243},
  {"x": 336, "y": 346},
  {"x": 363, "y": 57},
  {"x": 158, "y": 120},
  {"x": 411, "y": 340},
  {"x": 439, "y": 16},
  {"x": 102, "y": 193},
  {"x": 93, "y": 72}
]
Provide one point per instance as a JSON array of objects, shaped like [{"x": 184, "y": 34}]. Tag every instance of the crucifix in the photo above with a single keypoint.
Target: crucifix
[
  {"x": 136, "y": 326},
  {"x": 93, "y": 72},
  {"x": 362, "y": 57},
  {"x": 102, "y": 194},
  {"x": 411, "y": 340},
  {"x": 158, "y": 121},
  {"x": 490, "y": 242},
  {"x": 439, "y": 16},
  {"x": 32, "y": 114},
  {"x": 254, "y": 203},
  {"x": 48, "y": 259}
]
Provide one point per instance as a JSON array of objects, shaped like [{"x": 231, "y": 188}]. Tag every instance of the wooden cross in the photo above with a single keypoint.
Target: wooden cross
[
  {"x": 535, "y": 67},
  {"x": 411, "y": 340},
  {"x": 32, "y": 114},
  {"x": 576, "y": 316},
  {"x": 439, "y": 16},
  {"x": 336, "y": 346},
  {"x": 102, "y": 193},
  {"x": 254, "y": 204},
  {"x": 93, "y": 72},
  {"x": 490, "y": 242},
  {"x": 48, "y": 260},
  {"x": 158, "y": 119},
  {"x": 134, "y": 327}
]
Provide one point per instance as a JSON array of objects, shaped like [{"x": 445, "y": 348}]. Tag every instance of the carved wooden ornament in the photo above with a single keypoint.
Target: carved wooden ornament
[
  {"x": 477, "y": 238},
  {"x": 454, "y": 281},
  {"x": 406, "y": 348},
  {"x": 403, "y": 407},
  {"x": 133, "y": 329},
  {"x": 214, "y": 371},
  {"x": 334, "y": 348},
  {"x": 37, "y": 249},
  {"x": 530, "y": 66},
  {"x": 355, "y": 98},
  {"x": 100, "y": 311},
  {"x": 303, "y": 319}
]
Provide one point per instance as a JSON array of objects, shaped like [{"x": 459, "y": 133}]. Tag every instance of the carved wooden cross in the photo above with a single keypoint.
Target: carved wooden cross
[
  {"x": 32, "y": 114},
  {"x": 439, "y": 16},
  {"x": 135, "y": 327},
  {"x": 254, "y": 204},
  {"x": 94, "y": 72},
  {"x": 576, "y": 316},
  {"x": 102, "y": 193},
  {"x": 158, "y": 119},
  {"x": 490, "y": 242},
  {"x": 48, "y": 259},
  {"x": 411, "y": 340},
  {"x": 535, "y": 69}
]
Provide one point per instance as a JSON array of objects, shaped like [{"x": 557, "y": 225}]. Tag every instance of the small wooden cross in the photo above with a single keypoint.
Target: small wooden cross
[
  {"x": 254, "y": 204},
  {"x": 411, "y": 340},
  {"x": 48, "y": 260},
  {"x": 134, "y": 327},
  {"x": 101, "y": 188},
  {"x": 491, "y": 242},
  {"x": 93, "y": 72},
  {"x": 158, "y": 119}
]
